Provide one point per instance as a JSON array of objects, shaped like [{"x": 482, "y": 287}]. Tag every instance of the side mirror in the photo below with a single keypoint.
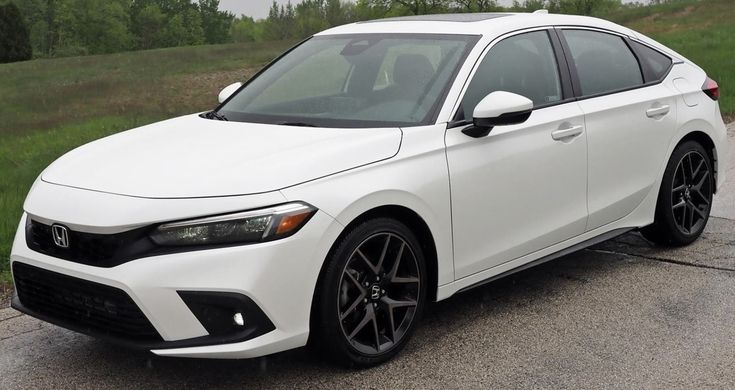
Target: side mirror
[
  {"x": 498, "y": 109},
  {"x": 228, "y": 91}
]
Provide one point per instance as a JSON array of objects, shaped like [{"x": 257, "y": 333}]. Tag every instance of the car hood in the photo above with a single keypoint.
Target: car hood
[{"x": 191, "y": 157}]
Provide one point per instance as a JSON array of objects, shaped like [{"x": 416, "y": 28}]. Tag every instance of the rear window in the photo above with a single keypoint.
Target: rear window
[
  {"x": 657, "y": 63},
  {"x": 604, "y": 62}
]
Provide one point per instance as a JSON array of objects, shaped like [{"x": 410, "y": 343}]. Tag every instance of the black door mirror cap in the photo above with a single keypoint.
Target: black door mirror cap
[{"x": 482, "y": 126}]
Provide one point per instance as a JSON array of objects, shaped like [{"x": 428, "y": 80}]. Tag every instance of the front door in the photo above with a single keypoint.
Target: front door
[{"x": 523, "y": 187}]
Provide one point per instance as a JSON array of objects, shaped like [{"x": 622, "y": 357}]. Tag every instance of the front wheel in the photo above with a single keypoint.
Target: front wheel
[
  {"x": 685, "y": 198},
  {"x": 371, "y": 294}
]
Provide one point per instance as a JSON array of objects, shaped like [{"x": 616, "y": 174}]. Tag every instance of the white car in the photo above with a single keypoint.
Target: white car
[{"x": 371, "y": 169}]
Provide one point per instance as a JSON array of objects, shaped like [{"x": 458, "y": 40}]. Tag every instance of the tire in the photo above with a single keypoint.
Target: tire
[
  {"x": 357, "y": 293},
  {"x": 685, "y": 197}
]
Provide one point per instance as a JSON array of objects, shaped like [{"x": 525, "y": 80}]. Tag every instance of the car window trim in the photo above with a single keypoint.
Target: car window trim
[
  {"x": 565, "y": 72},
  {"x": 579, "y": 96},
  {"x": 565, "y": 82}
]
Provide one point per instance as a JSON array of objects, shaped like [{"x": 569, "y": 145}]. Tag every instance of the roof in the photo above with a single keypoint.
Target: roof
[
  {"x": 460, "y": 18},
  {"x": 486, "y": 24}
]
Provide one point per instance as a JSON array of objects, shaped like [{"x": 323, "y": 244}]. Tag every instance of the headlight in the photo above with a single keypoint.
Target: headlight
[{"x": 249, "y": 226}]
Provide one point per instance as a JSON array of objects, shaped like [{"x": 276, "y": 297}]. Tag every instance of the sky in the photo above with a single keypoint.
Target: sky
[{"x": 258, "y": 9}]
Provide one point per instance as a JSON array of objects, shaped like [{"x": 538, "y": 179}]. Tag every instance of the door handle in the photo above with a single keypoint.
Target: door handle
[
  {"x": 562, "y": 134},
  {"x": 658, "y": 111}
]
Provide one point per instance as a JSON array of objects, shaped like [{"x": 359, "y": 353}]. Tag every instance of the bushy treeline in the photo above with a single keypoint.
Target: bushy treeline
[
  {"x": 15, "y": 43},
  {"x": 77, "y": 27},
  {"x": 298, "y": 20}
]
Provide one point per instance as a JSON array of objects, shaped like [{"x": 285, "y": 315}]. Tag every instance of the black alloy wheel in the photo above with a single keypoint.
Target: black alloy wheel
[
  {"x": 691, "y": 192},
  {"x": 371, "y": 294},
  {"x": 685, "y": 197},
  {"x": 378, "y": 293}
]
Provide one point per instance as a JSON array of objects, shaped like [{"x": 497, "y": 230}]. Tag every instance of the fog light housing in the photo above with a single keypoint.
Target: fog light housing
[{"x": 226, "y": 315}]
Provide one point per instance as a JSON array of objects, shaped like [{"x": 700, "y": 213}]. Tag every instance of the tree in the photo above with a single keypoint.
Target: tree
[
  {"x": 184, "y": 29},
  {"x": 372, "y": 9},
  {"x": 39, "y": 16},
  {"x": 245, "y": 29},
  {"x": 150, "y": 23},
  {"x": 281, "y": 22},
  {"x": 310, "y": 16},
  {"x": 422, "y": 7},
  {"x": 576, "y": 7},
  {"x": 216, "y": 23},
  {"x": 93, "y": 26},
  {"x": 15, "y": 41},
  {"x": 478, "y": 6},
  {"x": 336, "y": 12}
]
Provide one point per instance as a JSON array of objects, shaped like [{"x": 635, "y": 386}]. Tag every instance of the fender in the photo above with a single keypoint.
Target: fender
[{"x": 347, "y": 195}]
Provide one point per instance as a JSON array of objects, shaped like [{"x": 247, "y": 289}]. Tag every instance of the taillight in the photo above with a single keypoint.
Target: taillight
[{"x": 711, "y": 88}]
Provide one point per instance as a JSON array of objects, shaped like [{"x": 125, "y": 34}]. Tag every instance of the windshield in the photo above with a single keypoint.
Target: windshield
[{"x": 354, "y": 81}]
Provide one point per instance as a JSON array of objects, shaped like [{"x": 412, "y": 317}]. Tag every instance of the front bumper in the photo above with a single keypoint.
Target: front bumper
[{"x": 279, "y": 277}]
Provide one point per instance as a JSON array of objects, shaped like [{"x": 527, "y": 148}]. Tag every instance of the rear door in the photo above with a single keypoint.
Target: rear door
[{"x": 629, "y": 116}]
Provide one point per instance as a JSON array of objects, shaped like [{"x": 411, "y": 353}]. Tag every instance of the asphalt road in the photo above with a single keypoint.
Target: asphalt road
[{"x": 623, "y": 315}]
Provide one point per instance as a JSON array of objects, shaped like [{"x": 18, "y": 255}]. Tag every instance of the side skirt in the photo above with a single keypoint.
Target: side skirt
[{"x": 574, "y": 248}]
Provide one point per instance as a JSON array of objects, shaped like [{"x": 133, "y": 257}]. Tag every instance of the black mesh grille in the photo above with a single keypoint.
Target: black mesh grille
[
  {"x": 82, "y": 305},
  {"x": 101, "y": 250}
]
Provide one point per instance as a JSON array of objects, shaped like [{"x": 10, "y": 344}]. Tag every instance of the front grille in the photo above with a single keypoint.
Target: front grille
[
  {"x": 100, "y": 250},
  {"x": 82, "y": 305}
]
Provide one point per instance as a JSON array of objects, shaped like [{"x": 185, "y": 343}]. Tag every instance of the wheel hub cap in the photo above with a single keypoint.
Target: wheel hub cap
[{"x": 375, "y": 293}]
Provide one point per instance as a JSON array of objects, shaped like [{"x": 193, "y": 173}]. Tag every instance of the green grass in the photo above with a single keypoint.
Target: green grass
[
  {"x": 627, "y": 15},
  {"x": 702, "y": 31},
  {"x": 50, "y": 106},
  {"x": 25, "y": 156}
]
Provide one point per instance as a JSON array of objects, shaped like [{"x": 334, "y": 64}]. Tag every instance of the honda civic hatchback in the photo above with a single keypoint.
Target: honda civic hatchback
[{"x": 370, "y": 170}]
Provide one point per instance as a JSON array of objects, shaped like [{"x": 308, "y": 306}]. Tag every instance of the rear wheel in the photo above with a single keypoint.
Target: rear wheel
[
  {"x": 371, "y": 294},
  {"x": 685, "y": 197}
]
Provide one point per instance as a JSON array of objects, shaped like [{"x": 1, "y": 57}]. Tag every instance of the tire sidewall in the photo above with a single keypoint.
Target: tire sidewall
[
  {"x": 329, "y": 333},
  {"x": 664, "y": 212}
]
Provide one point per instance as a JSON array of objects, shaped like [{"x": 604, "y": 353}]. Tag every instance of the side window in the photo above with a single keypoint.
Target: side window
[
  {"x": 659, "y": 64},
  {"x": 604, "y": 62},
  {"x": 524, "y": 64}
]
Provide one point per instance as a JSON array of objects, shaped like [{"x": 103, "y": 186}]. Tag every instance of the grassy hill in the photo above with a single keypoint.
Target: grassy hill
[
  {"x": 702, "y": 31},
  {"x": 51, "y": 106}
]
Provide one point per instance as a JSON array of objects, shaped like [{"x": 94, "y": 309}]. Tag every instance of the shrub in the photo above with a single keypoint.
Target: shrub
[{"x": 15, "y": 40}]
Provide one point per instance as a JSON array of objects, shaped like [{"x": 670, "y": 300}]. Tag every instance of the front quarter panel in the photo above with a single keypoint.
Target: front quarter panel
[{"x": 417, "y": 178}]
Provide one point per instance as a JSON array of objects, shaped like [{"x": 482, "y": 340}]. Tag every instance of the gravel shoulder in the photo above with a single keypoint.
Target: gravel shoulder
[{"x": 6, "y": 292}]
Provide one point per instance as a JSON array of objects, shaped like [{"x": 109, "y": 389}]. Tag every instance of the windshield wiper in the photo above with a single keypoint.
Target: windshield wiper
[
  {"x": 301, "y": 124},
  {"x": 214, "y": 115}
]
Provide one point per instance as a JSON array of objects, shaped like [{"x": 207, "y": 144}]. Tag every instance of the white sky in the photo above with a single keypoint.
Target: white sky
[{"x": 259, "y": 8}]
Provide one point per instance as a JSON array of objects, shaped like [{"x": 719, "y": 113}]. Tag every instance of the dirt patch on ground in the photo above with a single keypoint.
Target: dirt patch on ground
[
  {"x": 6, "y": 291},
  {"x": 201, "y": 90},
  {"x": 729, "y": 118},
  {"x": 688, "y": 10}
]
